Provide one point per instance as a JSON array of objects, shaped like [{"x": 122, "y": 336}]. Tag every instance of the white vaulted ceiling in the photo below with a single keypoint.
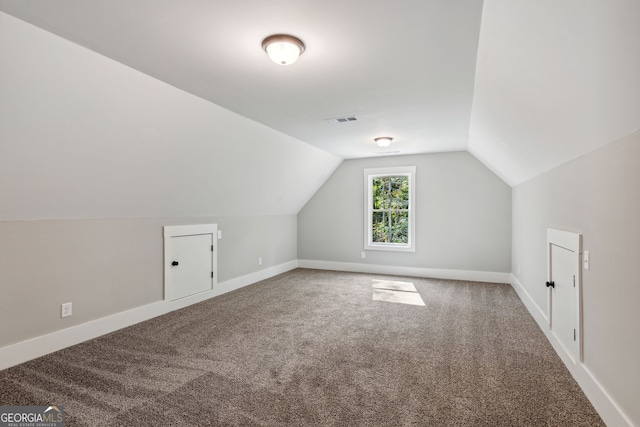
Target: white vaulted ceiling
[
  {"x": 403, "y": 68},
  {"x": 524, "y": 86},
  {"x": 554, "y": 81}
]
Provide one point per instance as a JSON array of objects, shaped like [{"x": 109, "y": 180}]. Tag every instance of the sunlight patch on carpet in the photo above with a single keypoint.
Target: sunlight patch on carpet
[
  {"x": 394, "y": 286},
  {"x": 399, "y": 292}
]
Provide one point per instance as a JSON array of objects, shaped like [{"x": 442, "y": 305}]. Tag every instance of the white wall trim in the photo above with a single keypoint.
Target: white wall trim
[
  {"x": 606, "y": 406},
  {"x": 242, "y": 281},
  {"x": 23, "y": 351},
  {"x": 436, "y": 273},
  {"x": 538, "y": 313}
]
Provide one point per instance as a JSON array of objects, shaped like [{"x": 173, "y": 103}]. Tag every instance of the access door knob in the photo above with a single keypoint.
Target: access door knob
[{"x": 174, "y": 263}]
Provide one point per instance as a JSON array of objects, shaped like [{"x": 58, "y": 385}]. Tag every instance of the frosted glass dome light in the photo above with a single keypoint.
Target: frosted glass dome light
[
  {"x": 283, "y": 49},
  {"x": 383, "y": 141}
]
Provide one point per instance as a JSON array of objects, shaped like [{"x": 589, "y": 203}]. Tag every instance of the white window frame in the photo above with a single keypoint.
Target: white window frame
[{"x": 369, "y": 175}]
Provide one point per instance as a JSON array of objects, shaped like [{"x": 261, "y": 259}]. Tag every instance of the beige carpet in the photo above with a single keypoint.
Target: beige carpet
[{"x": 312, "y": 348}]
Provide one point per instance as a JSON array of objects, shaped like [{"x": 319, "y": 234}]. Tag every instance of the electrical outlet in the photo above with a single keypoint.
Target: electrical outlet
[
  {"x": 259, "y": 261},
  {"x": 66, "y": 310},
  {"x": 363, "y": 255}
]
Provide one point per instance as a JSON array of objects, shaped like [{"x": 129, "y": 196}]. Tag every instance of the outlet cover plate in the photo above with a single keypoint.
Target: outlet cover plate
[{"x": 66, "y": 310}]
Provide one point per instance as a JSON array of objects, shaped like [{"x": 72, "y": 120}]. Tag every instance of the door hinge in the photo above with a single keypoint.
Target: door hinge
[
  {"x": 574, "y": 334},
  {"x": 211, "y": 248},
  {"x": 574, "y": 281},
  {"x": 212, "y": 274}
]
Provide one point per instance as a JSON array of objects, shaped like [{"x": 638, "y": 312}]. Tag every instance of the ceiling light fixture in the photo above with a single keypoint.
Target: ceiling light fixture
[
  {"x": 283, "y": 49},
  {"x": 383, "y": 141}
]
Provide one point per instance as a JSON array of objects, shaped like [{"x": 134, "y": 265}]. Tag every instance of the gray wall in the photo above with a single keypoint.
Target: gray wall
[
  {"x": 597, "y": 195},
  {"x": 95, "y": 157},
  {"x": 111, "y": 265},
  {"x": 83, "y": 136},
  {"x": 463, "y": 216}
]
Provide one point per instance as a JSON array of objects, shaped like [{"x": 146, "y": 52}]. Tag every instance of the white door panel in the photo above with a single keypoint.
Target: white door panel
[
  {"x": 190, "y": 260},
  {"x": 564, "y": 284},
  {"x": 564, "y": 315},
  {"x": 191, "y": 265}
]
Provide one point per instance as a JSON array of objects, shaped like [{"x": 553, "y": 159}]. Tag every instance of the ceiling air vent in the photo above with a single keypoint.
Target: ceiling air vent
[{"x": 346, "y": 119}]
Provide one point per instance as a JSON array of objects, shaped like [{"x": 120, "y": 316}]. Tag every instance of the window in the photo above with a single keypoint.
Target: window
[{"x": 389, "y": 211}]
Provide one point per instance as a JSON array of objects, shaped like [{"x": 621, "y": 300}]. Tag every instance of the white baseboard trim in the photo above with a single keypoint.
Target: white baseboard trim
[
  {"x": 436, "y": 273},
  {"x": 23, "y": 351},
  {"x": 538, "y": 314},
  {"x": 601, "y": 400},
  {"x": 242, "y": 281}
]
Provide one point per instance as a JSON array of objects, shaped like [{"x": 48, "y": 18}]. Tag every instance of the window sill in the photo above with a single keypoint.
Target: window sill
[{"x": 389, "y": 248}]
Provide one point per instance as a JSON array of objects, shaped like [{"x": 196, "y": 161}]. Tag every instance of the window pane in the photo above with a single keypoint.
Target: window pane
[
  {"x": 390, "y": 227},
  {"x": 390, "y": 192},
  {"x": 379, "y": 186},
  {"x": 398, "y": 187},
  {"x": 400, "y": 227},
  {"x": 379, "y": 227}
]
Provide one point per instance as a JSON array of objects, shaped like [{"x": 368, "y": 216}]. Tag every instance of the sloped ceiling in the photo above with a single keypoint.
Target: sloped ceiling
[
  {"x": 404, "y": 68},
  {"x": 83, "y": 136},
  {"x": 524, "y": 86},
  {"x": 554, "y": 81}
]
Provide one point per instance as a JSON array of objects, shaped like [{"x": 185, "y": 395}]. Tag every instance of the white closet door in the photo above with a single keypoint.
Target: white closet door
[
  {"x": 191, "y": 265},
  {"x": 190, "y": 260},
  {"x": 564, "y": 290}
]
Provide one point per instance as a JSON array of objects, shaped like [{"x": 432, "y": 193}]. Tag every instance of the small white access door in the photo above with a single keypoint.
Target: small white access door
[
  {"x": 190, "y": 260},
  {"x": 564, "y": 283}
]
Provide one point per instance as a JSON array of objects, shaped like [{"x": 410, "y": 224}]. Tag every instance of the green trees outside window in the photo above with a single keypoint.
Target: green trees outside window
[{"x": 390, "y": 210}]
